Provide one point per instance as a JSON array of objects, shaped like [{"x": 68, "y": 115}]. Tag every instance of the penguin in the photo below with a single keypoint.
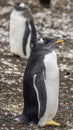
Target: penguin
[
  {"x": 22, "y": 30},
  {"x": 48, "y": 3},
  {"x": 45, "y": 3},
  {"x": 41, "y": 85}
]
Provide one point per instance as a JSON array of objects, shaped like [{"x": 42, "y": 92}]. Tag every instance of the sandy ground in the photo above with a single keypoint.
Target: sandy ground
[{"x": 58, "y": 23}]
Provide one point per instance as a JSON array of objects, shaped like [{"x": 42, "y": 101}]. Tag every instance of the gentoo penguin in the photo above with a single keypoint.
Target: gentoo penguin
[
  {"x": 22, "y": 30},
  {"x": 41, "y": 85},
  {"x": 48, "y": 3},
  {"x": 45, "y": 3}
]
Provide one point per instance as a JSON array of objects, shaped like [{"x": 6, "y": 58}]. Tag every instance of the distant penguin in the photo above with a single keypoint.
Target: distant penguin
[
  {"x": 48, "y": 3},
  {"x": 41, "y": 85},
  {"x": 22, "y": 30},
  {"x": 45, "y": 3}
]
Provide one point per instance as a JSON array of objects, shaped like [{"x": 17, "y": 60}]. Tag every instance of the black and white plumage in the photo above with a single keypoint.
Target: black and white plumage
[
  {"x": 40, "y": 84},
  {"x": 22, "y": 30}
]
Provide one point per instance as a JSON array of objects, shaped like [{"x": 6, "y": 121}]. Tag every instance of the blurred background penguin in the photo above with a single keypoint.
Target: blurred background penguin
[
  {"x": 48, "y": 3},
  {"x": 22, "y": 30}
]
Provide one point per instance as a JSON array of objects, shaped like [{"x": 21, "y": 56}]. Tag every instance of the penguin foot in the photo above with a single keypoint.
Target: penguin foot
[
  {"x": 52, "y": 123},
  {"x": 23, "y": 119},
  {"x": 20, "y": 118}
]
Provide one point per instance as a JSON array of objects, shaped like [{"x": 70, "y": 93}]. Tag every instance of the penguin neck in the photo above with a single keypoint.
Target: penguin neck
[
  {"x": 17, "y": 13},
  {"x": 41, "y": 50}
]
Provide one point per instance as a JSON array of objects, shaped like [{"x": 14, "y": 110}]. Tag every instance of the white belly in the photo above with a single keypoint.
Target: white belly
[
  {"x": 17, "y": 29},
  {"x": 53, "y": 2},
  {"x": 52, "y": 87}
]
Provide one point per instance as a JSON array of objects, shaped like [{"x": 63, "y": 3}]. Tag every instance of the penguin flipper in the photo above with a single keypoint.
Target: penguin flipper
[{"x": 52, "y": 123}]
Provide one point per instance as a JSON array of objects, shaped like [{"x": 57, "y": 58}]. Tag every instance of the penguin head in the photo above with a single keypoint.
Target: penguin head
[
  {"x": 44, "y": 45},
  {"x": 20, "y": 6},
  {"x": 45, "y": 41},
  {"x": 48, "y": 41},
  {"x": 23, "y": 10}
]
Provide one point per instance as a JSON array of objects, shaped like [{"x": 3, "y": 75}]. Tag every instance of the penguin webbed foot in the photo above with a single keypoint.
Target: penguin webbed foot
[
  {"x": 52, "y": 123},
  {"x": 21, "y": 118}
]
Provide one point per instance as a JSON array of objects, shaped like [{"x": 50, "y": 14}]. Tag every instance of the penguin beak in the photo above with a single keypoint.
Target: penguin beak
[{"x": 59, "y": 41}]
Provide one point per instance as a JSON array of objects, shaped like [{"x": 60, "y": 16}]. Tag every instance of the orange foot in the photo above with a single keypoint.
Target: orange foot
[{"x": 52, "y": 123}]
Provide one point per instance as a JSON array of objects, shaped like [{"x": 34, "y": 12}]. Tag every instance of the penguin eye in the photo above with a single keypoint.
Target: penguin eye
[{"x": 46, "y": 39}]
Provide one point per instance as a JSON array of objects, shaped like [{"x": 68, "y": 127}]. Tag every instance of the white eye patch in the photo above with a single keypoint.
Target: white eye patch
[
  {"x": 22, "y": 5},
  {"x": 41, "y": 40}
]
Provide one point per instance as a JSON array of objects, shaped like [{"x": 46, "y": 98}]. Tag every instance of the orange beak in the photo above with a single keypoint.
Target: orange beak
[{"x": 59, "y": 41}]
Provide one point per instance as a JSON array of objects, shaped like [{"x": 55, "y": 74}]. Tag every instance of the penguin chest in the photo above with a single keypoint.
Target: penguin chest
[
  {"x": 17, "y": 29},
  {"x": 52, "y": 87},
  {"x": 53, "y": 2}
]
